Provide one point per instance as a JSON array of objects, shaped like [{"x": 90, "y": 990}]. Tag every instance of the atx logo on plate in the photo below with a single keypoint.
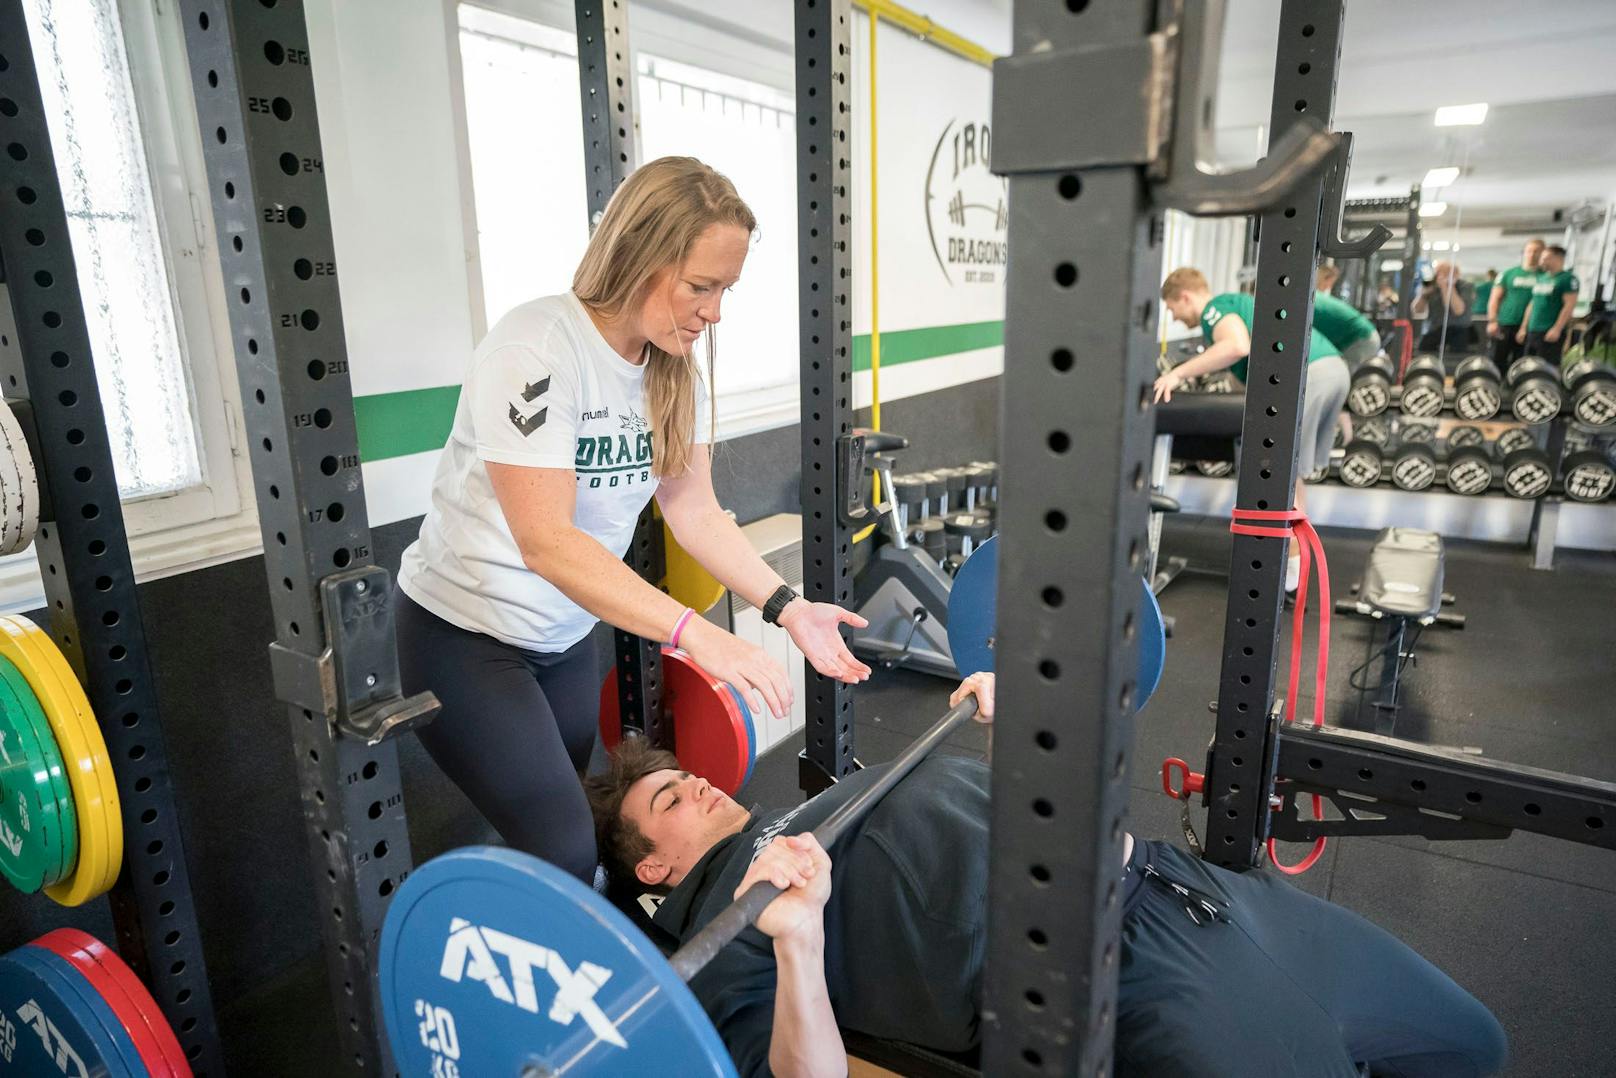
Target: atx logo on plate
[
  {"x": 56, "y": 1046},
  {"x": 469, "y": 953}
]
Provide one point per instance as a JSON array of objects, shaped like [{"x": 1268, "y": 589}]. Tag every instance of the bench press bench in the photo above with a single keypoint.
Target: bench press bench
[{"x": 1401, "y": 588}]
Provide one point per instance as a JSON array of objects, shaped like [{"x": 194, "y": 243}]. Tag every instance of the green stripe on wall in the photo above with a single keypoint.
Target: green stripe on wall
[
  {"x": 908, "y": 345},
  {"x": 398, "y": 424},
  {"x": 419, "y": 420}
]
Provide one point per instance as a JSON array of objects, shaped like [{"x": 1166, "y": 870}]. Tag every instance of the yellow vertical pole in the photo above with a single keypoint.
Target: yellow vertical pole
[{"x": 875, "y": 275}]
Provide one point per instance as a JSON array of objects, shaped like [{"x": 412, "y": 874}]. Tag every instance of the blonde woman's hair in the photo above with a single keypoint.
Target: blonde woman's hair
[{"x": 652, "y": 222}]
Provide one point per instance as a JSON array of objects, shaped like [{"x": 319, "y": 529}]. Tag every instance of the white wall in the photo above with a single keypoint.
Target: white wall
[{"x": 381, "y": 77}]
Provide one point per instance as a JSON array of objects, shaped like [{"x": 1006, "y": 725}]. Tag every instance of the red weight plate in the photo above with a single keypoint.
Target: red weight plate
[
  {"x": 141, "y": 996},
  {"x": 709, "y": 734},
  {"x": 116, "y": 983}
]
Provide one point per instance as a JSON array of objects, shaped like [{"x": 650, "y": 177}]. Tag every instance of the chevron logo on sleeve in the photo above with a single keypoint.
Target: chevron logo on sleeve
[{"x": 530, "y": 393}]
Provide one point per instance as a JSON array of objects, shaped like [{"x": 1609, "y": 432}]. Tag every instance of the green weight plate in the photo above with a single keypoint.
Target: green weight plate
[
  {"x": 30, "y": 843},
  {"x": 17, "y": 698},
  {"x": 16, "y": 690}
]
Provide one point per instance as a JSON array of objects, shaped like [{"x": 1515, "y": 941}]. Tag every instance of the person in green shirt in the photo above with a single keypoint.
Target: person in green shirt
[
  {"x": 1554, "y": 298},
  {"x": 1506, "y": 307},
  {"x": 1344, "y": 326},
  {"x": 1225, "y": 321},
  {"x": 1484, "y": 288}
]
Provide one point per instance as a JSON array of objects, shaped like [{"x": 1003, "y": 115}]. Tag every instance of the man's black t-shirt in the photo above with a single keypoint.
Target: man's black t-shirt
[{"x": 905, "y": 925}]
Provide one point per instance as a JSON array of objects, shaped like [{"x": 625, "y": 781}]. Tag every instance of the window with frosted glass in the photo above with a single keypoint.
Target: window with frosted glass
[
  {"x": 524, "y": 127},
  {"x": 114, "y": 229},
  {"x": 747, "y": 131}
]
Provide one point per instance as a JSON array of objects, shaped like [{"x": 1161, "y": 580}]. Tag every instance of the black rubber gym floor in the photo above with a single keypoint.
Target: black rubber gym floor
[{"x": 1527, "y": 924}]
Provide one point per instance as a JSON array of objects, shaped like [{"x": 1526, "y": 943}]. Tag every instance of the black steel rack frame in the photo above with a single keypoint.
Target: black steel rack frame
[
  {"x": 84, "y": 549},
  {"x": 334, "y": 657},
  {"x": 606, "y": 82},
  {"x": 825, "y": 315}
]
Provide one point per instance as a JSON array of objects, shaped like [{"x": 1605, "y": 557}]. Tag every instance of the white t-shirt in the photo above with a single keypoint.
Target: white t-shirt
[{"x": 543, "y": 390}]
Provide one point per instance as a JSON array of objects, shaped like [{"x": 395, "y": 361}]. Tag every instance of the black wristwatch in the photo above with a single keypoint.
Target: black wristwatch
[{"x": 777, "y": 603}]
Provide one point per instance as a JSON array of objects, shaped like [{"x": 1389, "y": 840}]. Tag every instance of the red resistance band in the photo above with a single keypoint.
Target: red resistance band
[
  {"x": 1293, "y": 524},
  {"x": 1405, "y": 349}
]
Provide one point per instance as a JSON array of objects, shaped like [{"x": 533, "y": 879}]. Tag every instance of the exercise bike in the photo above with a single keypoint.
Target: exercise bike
[{"x": 903, "y": 588}]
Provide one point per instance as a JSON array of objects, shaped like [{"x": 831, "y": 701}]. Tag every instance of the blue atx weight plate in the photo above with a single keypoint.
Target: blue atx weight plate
[
  {"x": 492, "y": 961},
  {"x": 60, "y": 1028},
  {"x": 973, "y": 608},
  {"x": 751, "y": 729}
]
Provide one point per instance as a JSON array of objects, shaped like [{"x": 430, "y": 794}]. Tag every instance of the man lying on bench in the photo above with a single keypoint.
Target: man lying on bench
[{"x": 1221, "y": 974}]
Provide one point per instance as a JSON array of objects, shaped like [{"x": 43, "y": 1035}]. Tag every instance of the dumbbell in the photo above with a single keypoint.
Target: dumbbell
[
  {"x": 1588, "y": 475},
  {"x": 954, "y": 481},
  {"x": 1476, "y": 392},
  {"x": 1464, "y": 437},
  {"x": 1536, "y": 385},
  {"x": 1528, "y": 473},
  {"x": 1422, "y": 387},
  {"x": 991, "y": 476},
  {"x": 936, "y": 495},
  {"x": 1415, "y": 467},
  {"x": 1377, "y": 429},
  {"x": 1216, "y": 469},
  {"x": 1416, "y": 433},
  {"x": 1371, "y": 388},
  {"x": 1592, "y": 386},
  {"x": 1360, "y": 463},
  {"x": 965, "y": 531},
  {"x": 979, "y": 477},
  {"x": 909, "y": 493},
  {"x": 1511, "y": 440},
  {"x": 1470, "y": 469}
]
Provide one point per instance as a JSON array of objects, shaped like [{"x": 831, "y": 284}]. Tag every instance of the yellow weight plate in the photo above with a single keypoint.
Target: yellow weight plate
[
  {"x": 687, "y": 581},
  {"x": 74, "y": 692},
  {"x": 95, "y": 795}
]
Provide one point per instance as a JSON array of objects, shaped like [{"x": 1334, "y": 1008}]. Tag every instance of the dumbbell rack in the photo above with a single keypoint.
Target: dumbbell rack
[
  {"x": 1553, "y": 442},
  {"x": 83, "y": 548}
]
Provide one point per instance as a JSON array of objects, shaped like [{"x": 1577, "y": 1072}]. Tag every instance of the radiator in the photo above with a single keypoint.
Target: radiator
[{"x": 778, "y": 539}]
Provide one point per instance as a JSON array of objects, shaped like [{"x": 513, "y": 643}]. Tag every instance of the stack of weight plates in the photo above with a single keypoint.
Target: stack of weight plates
[
  {"x": 78, "y": 1009},
  {"x": 61, "y": 830}
]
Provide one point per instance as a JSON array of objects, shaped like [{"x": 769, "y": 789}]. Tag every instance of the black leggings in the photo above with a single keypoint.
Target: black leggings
[{"x": 516, "y": 730}]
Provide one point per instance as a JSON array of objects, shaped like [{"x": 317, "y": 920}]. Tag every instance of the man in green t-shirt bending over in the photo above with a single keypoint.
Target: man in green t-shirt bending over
[
  {"x": 1506, "y": 306},
  {"x": 1342, "y": 324},
  {"x": 1554, "y": 299},
  {"x": 1225, "y": 322}
]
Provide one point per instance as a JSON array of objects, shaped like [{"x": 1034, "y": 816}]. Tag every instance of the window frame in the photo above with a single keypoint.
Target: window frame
[
  {"x": 661, "y": 35},
  {"x": 216, "y": 519}
]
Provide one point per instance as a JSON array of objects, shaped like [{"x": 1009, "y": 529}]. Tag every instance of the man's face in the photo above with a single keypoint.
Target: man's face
[
  {"x": 1531, "y": 253},
  {"x": 1186, "y": 307},
  {"x": 1552, "y": 261},
  {"x": 683, "y": 816}
]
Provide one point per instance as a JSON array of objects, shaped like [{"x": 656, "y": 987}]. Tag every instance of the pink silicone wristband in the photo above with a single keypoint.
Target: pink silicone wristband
[{"x": 679, "y": 626}]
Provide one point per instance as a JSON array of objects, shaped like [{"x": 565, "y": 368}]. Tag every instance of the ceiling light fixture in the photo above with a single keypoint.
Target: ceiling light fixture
[
  {"x": 1433, "y": 209},
  {"x": 1461, "y": 115},
  {"x": 1440, "y": 177}
]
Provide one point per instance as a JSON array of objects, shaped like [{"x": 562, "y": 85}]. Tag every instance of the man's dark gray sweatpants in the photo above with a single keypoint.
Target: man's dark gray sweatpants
[{"x": 1280, "y": 984}]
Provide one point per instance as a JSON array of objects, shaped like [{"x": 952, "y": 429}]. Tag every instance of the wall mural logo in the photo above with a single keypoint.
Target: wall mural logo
[{"x": 966, "y": 216}]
